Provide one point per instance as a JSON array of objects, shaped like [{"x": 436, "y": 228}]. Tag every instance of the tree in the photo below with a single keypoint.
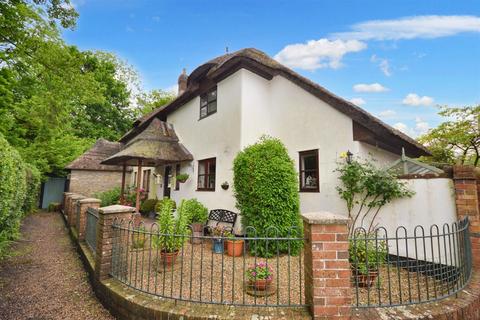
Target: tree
[
  {"x": 153, "y": 100},
  {"x": 457, "y": 139}
]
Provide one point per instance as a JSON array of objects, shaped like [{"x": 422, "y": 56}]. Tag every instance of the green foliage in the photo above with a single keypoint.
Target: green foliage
[
  {"x": 139, "y": 238},
  {"x": 266, "y": 191},
  {"x": 148, "y": 205},
  {"x": 195, "y": 211},
  {"x": 457, "y": 139},
  {"x": 153, "y": 100},
  {"x": 172, "y": 232},
  {"x": 13, "y": 187},
  {"x": 368, "y": 187},
  {"x": 33, "y": 189},
  {"x": 259, "y": 271},
  {"x": 161, "y": 203},
  {"x": 367, "y": 253},
  {"x": 182, "y": 177},
  {"x": 109, "y": 197}
]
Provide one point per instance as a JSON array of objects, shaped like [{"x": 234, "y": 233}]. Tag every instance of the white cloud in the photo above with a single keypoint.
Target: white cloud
[
  {"x": 413, "y": 99},
  {"x": 421, "y": 127},
  {"x": 387, "y": 114},
  {"x": 384, "y": 65},
  {"x": 372, "y": 87},
  {"x": 173, "y": 88},
  {"x": 358, "y": 101},
  {"x": 156, "y": 18},
  {"x": 316, "y": 54},
  {"x": 426, "y": 27}
]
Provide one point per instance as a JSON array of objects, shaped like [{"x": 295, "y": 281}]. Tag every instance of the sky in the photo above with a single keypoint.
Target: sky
[{"x": 399, "y": 60}]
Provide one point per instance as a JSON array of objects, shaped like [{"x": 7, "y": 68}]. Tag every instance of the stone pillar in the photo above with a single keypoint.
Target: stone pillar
[
  {"x": 64, "y": 201},
  {"x": 103, "y": 257},
  {"x": 327, "y": 270},
  {"x": 72, "y": 211},
  {"x": 467, "y": 190},
  {"x": 68, "y": 203},
  {"x": 84, "y": 204}
]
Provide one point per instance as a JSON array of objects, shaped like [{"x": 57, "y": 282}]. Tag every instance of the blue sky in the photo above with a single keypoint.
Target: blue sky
[{"x": 397, "y": 59}]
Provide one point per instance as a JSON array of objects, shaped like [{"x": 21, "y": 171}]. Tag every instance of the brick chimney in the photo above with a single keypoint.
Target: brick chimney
[{"x": 182, "y": 82}]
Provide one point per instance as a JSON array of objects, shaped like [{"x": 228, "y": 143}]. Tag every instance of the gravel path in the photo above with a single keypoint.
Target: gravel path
[{"x": 44, "y": 278}]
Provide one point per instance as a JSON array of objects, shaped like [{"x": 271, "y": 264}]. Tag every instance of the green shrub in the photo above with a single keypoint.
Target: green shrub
[
  {"x": 13, "y": 186},
  {"x": 169, "y": 228},
  {"x": 196, "y": 211},
  {"x": 148, "y": 205},
  {"x": 164, "y": 201},
  {"x": 366, "y": 253},
  {"x": 266, "y": 191},
  {"x": 34, "y": 179},
  {"x": 109, "y": 197}
]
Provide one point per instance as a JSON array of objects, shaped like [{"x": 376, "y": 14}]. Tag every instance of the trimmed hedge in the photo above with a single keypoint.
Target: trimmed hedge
[
  {"x": 266, "y": 191},
  {"x": 19, "y": 192}
]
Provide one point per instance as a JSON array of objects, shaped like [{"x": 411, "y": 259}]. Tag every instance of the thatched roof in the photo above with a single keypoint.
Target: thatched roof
[
  {"x": 92, "y": 158},
  {"x": 157, "y": 144},
  {"x": 215, "y": 70}
]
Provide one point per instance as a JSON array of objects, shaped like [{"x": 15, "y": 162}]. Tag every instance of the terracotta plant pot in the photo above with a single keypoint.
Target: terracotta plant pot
[
  {"x": 169, "y": 258},
  {"x": 365, "y": 280},
  {"x": 261, "y": 284},
  {"x": 235, "y": 248}
]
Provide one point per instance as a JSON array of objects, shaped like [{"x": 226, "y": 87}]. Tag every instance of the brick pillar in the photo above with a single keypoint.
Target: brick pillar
[
  {"x": 327, "y": 269},
  {"x": 72, "y": 212},
  {"x": 103, "y": 257},
  {"x": 467, "y": 189},
  {"x": 84, "y": 204}
]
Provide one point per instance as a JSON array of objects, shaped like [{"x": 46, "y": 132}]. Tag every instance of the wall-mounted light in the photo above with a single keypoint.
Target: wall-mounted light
[{"x": 349, "y": 156}]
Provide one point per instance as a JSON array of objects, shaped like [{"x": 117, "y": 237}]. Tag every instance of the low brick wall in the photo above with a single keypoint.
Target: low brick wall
[{"x": 463, "y": 306}]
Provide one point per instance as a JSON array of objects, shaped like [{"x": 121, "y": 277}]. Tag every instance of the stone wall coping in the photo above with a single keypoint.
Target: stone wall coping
[
  {"x": 90, "y": 200},
  {"x": 116, "y": 208},
  {"x": 324, "y": 217},
  {"x": 77, "y": 197},
  {"x": 68, "y": 193}
]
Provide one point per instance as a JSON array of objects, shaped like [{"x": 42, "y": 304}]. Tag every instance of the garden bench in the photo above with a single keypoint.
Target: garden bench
[{"x": 221, "y": 218}]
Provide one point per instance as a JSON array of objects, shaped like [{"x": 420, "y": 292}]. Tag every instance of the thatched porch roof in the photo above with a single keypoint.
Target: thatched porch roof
[{"x": 156, "y": 145}]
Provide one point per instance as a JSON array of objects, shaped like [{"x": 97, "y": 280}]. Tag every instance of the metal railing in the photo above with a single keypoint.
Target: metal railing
[
  {"x": 211, "y": 269},
  {"x": 91, "y": 229},
  {"x": 409, "y": 268}
]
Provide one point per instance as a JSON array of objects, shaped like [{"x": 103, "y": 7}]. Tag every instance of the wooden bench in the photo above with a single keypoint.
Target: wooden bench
[{"x": 221, "y": 218}]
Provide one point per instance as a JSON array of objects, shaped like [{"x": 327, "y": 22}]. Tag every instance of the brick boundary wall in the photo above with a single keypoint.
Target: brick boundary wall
[
  {"x": 465, "y": 305},
  {"x": 84, "y": 204}
]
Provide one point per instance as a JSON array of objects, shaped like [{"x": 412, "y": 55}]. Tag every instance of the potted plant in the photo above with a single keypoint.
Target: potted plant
[
  {"x": 260, "y": 276},
  {"x": 197, "y": 215},
  {"x": 366, "y": 255},
  {"x": 234, "y": 245},
  {"x": 148, "y": 208},
  {"x": 139, "y": 238},
  {"x": 172, "y": 232},
  {"x": 182, "y": 177},
  {"x": 160, "y": 204},
  {"x": 218, "y": 237}
]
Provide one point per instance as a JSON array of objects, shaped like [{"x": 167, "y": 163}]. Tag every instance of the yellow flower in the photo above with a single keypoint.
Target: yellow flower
[{"x": 343, "y": 155}]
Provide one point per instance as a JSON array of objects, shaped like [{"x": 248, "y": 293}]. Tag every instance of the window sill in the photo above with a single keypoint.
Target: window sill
[
  {"x": 205, "y": 190},
  {"x": 309, "y": 190}
]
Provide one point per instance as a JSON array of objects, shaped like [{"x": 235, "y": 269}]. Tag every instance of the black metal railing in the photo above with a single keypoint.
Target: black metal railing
[
  {"x": 409, "y": 268},
  {"x": 91, "y": 229},
  {"x": 210, "y": 269}
]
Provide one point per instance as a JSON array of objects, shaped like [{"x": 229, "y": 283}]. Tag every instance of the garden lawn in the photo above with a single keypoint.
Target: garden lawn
[{"x": 44, "y": 278}]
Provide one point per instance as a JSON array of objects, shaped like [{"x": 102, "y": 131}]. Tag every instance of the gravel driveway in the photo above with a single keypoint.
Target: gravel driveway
[{"x": 44, "y": 278}]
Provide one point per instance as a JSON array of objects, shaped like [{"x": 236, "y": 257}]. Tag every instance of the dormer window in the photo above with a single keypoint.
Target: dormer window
[{"x": 208, "y": 103}]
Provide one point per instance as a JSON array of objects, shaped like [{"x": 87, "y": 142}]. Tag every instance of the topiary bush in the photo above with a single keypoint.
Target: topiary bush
[
  {"x": 13, "y": 186},
  {"x": 148, "y": 205},
  {"x": 266, "y": 190}
]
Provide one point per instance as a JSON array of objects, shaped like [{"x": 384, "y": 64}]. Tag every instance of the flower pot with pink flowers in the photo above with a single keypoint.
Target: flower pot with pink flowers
[{"x": 260, "y": 276}]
